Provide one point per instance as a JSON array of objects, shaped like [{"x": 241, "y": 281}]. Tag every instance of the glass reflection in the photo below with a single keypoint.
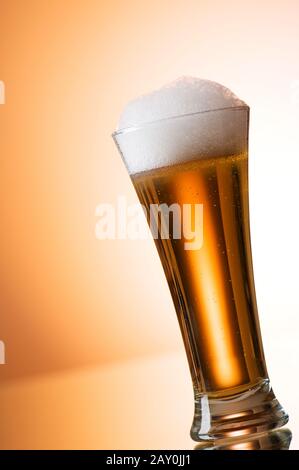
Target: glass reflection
[{"x": 272, "y": 440}]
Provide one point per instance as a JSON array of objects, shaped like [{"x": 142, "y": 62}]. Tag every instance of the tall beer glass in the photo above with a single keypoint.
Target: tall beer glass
[{"x": 212, "y": 287}]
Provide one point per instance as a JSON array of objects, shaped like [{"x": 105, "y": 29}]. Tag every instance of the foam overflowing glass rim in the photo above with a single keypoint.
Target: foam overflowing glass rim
[{"x": 125, "y": 130}]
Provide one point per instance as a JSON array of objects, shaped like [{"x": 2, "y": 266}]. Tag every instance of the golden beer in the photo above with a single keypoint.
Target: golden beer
[{"x": 212, "y": 287}]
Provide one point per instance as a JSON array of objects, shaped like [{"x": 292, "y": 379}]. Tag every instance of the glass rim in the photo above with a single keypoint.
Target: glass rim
[{"x": 125, "y": 130}]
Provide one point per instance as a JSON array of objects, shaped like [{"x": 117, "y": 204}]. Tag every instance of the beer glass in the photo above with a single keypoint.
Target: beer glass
[{"x": 212, "y": 287}]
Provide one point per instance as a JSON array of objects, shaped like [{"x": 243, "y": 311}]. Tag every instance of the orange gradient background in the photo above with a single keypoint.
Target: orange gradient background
[{"x": 70, "y": 302}]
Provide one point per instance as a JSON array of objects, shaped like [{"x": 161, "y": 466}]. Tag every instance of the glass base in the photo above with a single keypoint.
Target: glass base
[
  {"x": 253, "y": 411},
  {"x": 278, "y": 439}
]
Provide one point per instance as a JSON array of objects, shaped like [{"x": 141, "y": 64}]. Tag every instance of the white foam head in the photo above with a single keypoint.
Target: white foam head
[{"x": 148, "y": 138}]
